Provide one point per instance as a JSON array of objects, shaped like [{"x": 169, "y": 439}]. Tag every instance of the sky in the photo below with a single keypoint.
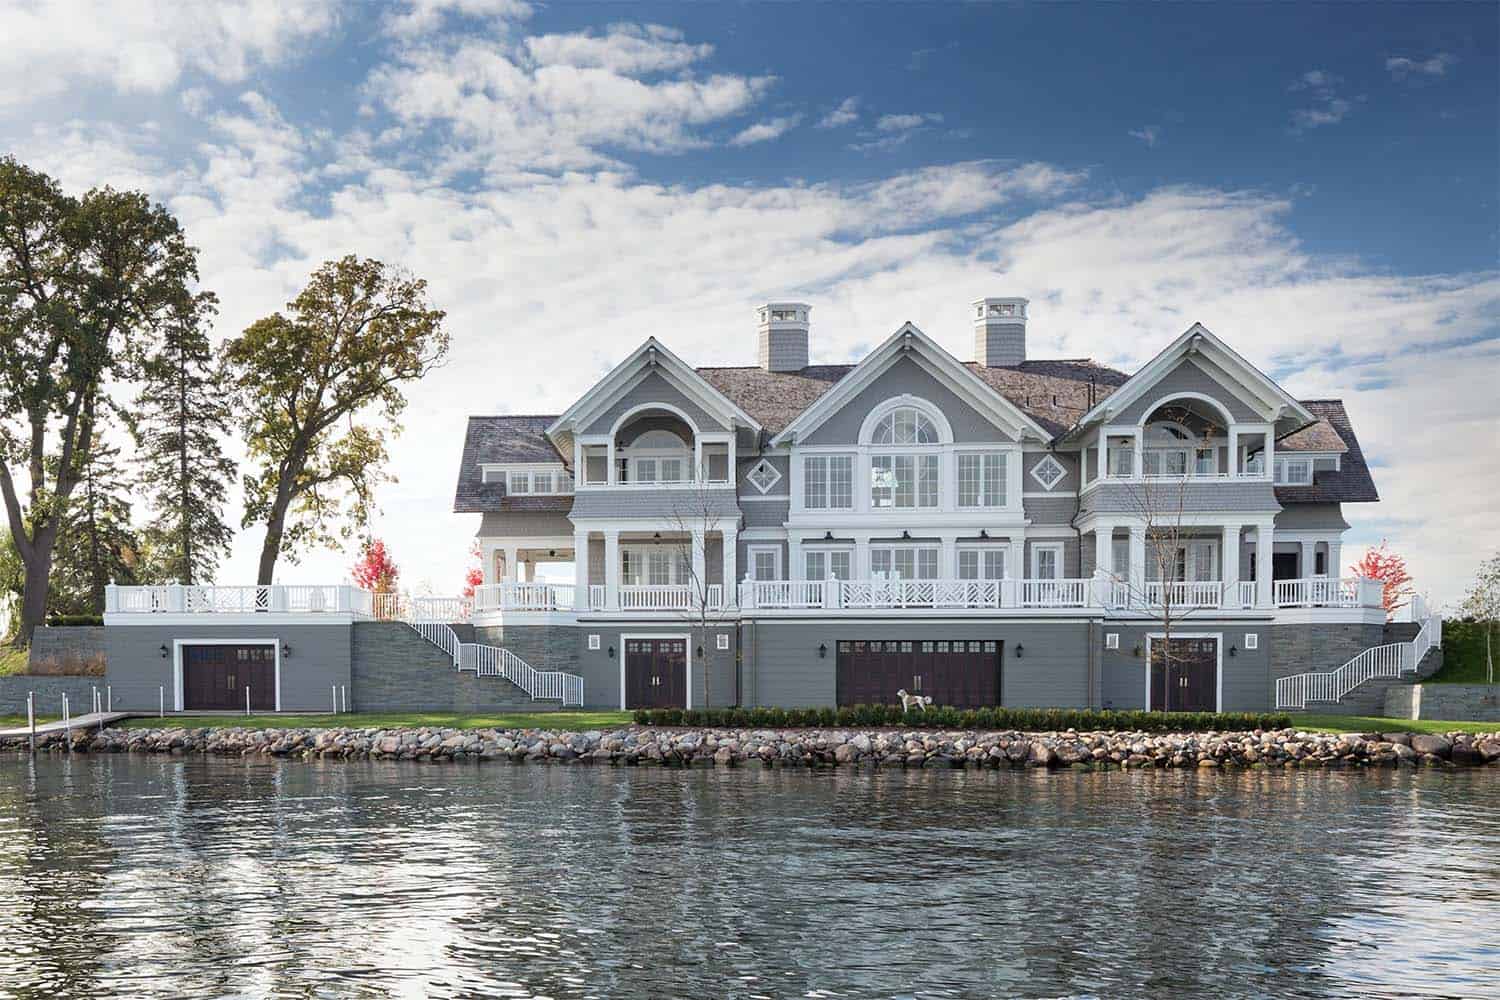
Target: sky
[{"x": 1317, "y": 184}]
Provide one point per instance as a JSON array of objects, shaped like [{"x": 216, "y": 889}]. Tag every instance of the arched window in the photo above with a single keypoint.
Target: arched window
[{"x": 905, "y": 425}]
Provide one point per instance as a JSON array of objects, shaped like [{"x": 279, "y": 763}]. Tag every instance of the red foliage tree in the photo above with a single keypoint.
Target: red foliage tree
[
  {"x": 474, "y": 575},
  {"x": 375, "y": 571},
  {"x": 1380, "y": 563}
]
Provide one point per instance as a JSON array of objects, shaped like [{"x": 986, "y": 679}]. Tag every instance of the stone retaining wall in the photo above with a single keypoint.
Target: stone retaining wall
[
  {"x": 69, "y": 646},
  {"x": 49, "y": 692},
  {"x": 1445, "y": 702}
]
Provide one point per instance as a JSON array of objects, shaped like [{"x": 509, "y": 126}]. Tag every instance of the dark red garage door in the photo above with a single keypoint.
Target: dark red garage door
[
  {"x": 215, "y": 676},
  {"x": 962, "y": 673}
]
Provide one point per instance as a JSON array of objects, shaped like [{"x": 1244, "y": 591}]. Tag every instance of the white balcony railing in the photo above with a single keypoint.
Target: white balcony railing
[
  {"x": 895, "y": 594},
  {"x": 669, "y": 597},
  {"x": 174, "y": 598},
  {"x": 1185, "y": 594},
  {"x": 529, "y": 597},
  {"x": 1327, "y": 592}
]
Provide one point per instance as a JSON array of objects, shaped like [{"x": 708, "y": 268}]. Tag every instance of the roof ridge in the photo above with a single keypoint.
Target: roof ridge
[{"x": 512, "y": 416}]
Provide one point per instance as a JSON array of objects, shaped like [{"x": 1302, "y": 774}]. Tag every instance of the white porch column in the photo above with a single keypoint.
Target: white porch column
[
  {"x": 1263, "y": 564},
  {"x": 1103, "y": 455},
  {"x": 1138, "y": 463},
  {"x": 611, "y": 473},
  {"x": 510, "y": 563},
  {"x": 948, "y": 556},
  {"x": 1229, "y": 563},
  {"x": 796, "y": 567},
  {"x": 699, "y": 556},
  {"x": 1136, "y": 572},
  {"x": 861, "y": 568},
  {"x": 580, "y": 568},
  {"x": 1335, "y": 566},
  {"x": 1015, "y": 558},
  {"x": 1104, "y": 548},
  {"x": 1308, "y": 560},
  {"x": 579, "y": 462},
  {"x": 731, "y": 557},
  {"x": 612, "y": 569},
  {"x": 1234, "y": 450},
  {"x": 700, "y": 472}
]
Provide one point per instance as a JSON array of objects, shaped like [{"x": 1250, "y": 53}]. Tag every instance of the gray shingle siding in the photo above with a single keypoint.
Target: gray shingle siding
[
  {"x": 1050, "y": 510},
  {"x": 1189, "y": 376},
  {"x": 524, "y": 524},
  {"x": 655, "y": 503},
  {"x": 1125, "y": 498},
  {"x": 905, "y": 377},
  {"x": 1067, "y": 484},
  {"x": 766, "y": 513},
  {"x": 1312, "y": 517},
  {"x": 654, "y": 388}
]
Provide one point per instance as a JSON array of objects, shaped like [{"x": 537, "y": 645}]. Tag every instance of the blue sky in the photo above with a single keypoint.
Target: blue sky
[{"x": 1316, "y": 183}]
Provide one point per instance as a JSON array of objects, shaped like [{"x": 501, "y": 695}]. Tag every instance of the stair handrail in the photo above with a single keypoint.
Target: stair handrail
[
  {"x": 496, "y": 661},
  {"x": 1388, "y": 660}
]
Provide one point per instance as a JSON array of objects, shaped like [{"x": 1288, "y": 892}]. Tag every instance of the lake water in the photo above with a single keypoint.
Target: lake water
[{"x": 155, "y": 876}]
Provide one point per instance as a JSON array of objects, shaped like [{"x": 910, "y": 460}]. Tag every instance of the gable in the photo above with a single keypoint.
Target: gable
[
  {"x": 905, "y": 377},
  {"x": 653, "y": 387},
  {"x": 1193, "y": 376}
]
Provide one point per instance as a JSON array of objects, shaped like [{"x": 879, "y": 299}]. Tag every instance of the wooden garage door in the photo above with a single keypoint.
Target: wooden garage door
[
  {"x": 1191, "y": 682},
  {"x": 655, "y": 673},
  {"x": 962, "y": 673},
  {"x": 215, "y": 676}
]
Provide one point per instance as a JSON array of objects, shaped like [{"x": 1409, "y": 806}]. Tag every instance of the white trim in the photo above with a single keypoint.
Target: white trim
[
  {"x": 905, "y": 401},
  {"x": 783, "y": 497},
  {"x": 1161, "y": 401},
  {"x": 1218, "y": 669},
  {"x": 763, "y": 490},
  {"x": 721, "y": 643},
  {"x": 750, "y": 553},
  {"x": 1059, "y": 495},
  {"x": 1036, "y": 467},
  {"x": 1037, "y": 548},
  {"x": 216, "y": 619},
  {"x": 681, "y": 414},
  {"x": 1252, "y": 640},
  {"x": 687, "y": 643},
  {"x": 177, "y": 644}
]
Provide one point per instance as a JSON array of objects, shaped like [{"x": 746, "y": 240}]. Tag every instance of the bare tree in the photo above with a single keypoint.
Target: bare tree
[
  {"x": 1161, "y": 501},
  {"x": 697, "y": 512},
  {"x": 1483, "y": 605}
]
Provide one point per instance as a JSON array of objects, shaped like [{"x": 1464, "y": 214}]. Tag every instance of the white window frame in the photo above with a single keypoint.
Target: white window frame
[
  {"x": 980, "y": 551},
  {"x": 1282, "y": 467},
  {"x": 1252, "y": 640},
  {"x": 756, "y": 468},
  {"x": 918, "y": 458},
  {"x": 679, "y": 572},
  {"x": 560, "y": 484},
  {"x": 752, "y": 551},
  {"x": 828, "y": 552},
  {"x": 915, "y": 548},
  {"x": 1049, "y": 462},
  {"x": 1037, "y": 548},
  {"x": 827, "y": 462},
  {"x": 985, "y": 457}
]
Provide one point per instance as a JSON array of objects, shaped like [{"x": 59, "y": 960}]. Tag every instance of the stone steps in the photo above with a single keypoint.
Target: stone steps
[
  {"x": 1369, "y": 698},
  {"x": 396, "y": 669}
]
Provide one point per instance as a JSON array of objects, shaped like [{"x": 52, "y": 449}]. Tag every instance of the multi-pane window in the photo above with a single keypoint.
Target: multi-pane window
[
  {"x": 1046, "y": 561},
  {"x": 828, "y": 482},
  {"x": 904, "y": 562},
  {"x": 1294, "y": 471},
  {"x": 541, "y": 482},
  {"x": 981, "y": 564},
  {"x": 1121, "y": 459},
  {"x": 981, "y": 480},
  {"x": 827, "y": 564},
  {"x": 905, "y": 425},
  {"x": 520, "y": 482},
  {"x": 903, "y": 481},
  {"x": 765, "y": 563}
]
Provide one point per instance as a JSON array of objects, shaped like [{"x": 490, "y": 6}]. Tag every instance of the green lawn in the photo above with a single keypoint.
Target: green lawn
[
  {"x": 1463, "y": 655},
  {"x": 575, "y": 721},
  {"x": 1374, "y": 724},
  {"x": 12, "y": 661}
]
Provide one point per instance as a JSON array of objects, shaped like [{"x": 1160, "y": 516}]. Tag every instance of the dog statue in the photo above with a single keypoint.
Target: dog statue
[{"x": 908, "y": 701}]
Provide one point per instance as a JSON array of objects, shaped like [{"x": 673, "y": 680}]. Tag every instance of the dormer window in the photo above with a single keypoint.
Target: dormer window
[
  {"x": 1294, "y": 471},
  {"x": 530, "y": 480}
]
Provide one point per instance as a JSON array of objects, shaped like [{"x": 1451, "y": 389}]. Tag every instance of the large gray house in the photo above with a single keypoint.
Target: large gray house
[{"x": 1002, "y": 530}]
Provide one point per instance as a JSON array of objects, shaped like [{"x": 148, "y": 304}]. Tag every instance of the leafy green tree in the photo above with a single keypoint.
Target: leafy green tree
[
  {"x": 12, "y": 579},
  {"x": 83, "y": 282},
  {"x": 319, "y": 387},
  {"x": 1483, "y": 605},
  {"x": 182, "y": 416},
  {"x": 96, "y": 544}
]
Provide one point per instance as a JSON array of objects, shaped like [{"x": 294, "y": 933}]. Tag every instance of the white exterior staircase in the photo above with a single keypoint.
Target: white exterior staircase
[
  {"x": 1389, "y": 661},
  {"x": 431, "y": 617}
]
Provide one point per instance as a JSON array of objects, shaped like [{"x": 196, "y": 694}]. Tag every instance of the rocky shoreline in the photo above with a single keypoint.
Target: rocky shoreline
[{"x": 637, "y": 745}]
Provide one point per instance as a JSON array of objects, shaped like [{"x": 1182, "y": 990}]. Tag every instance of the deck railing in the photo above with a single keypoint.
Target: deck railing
[
  {"x": 196, "y": 599},
  {"x": 519, "y": 596},
  {"x": 894, "y": 594},
  {"x": 1327, "y": 592},
  {"x": 1388, "y": 661},
  {"x": 670, "y": 597}
]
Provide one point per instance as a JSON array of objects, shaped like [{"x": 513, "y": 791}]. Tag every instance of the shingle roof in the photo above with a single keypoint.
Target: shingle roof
[
  {"x": 1351, "y": 482},
  {"x": 504, "y": 439},
  {"x": 1317, "y": 436},
  {"x": 1053, "y": 393}
]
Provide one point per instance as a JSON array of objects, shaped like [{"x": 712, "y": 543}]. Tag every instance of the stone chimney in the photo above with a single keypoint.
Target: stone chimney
[
  {"x": 783, "y": 336},
  {"x": 1000, "y": 332}
]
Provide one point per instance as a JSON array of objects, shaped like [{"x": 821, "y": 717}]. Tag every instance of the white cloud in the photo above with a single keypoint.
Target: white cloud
[
  {"x": 625, "y": 48},
  {"x": 147, "y": 46},
  {"x": 773, "y": 128},
  {"x": 1329, "y": 106},
  {"x": 845, "y": 114},
  {"x": 413, "y": 18},
  {"x": 903, "y": 123},
  {"x": 1149, "y": 134},
  {"x": 507, "y": 108},
  {"x": 1400, "y": 67}
]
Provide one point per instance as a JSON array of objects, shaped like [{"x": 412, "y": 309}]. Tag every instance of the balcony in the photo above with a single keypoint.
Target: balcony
[
  {"x": 902, "y": 594},
  {"x": 1328, "y": 592},
  {"x": 183, "y": 599}
]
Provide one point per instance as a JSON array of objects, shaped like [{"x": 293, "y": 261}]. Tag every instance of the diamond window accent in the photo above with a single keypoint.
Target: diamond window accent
[
  {"x": 1049, "y": 472},
  {"x": 764, "y": 476}
]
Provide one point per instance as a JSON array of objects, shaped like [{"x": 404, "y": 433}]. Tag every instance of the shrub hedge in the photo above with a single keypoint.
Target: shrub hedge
[
  {"x": 1024, "y": 719},
  {"x": 55, "y": 621}
]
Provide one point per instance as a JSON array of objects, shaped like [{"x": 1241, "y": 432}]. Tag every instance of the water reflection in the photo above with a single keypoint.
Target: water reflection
[{"x": 148, "y": 876}]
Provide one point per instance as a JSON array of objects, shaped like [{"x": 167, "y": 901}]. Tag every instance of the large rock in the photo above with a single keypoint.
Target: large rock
[{"x": 1431, "y": 743}]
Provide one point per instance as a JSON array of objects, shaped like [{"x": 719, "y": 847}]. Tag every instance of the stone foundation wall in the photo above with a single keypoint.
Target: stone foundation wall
[
  {"x": 1297, "y": 649},
  {"x": 49, "y": 692},
  {"x": 393, "y": 669},
  {"x": 545, "y": 647},
  {"x": 1445, "y": 702}
]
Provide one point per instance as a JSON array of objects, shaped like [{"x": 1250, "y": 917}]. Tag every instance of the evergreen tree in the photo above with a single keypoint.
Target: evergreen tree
[
  {"x": 183, "y": 415},
  {"x": 96, "y": 544}
]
